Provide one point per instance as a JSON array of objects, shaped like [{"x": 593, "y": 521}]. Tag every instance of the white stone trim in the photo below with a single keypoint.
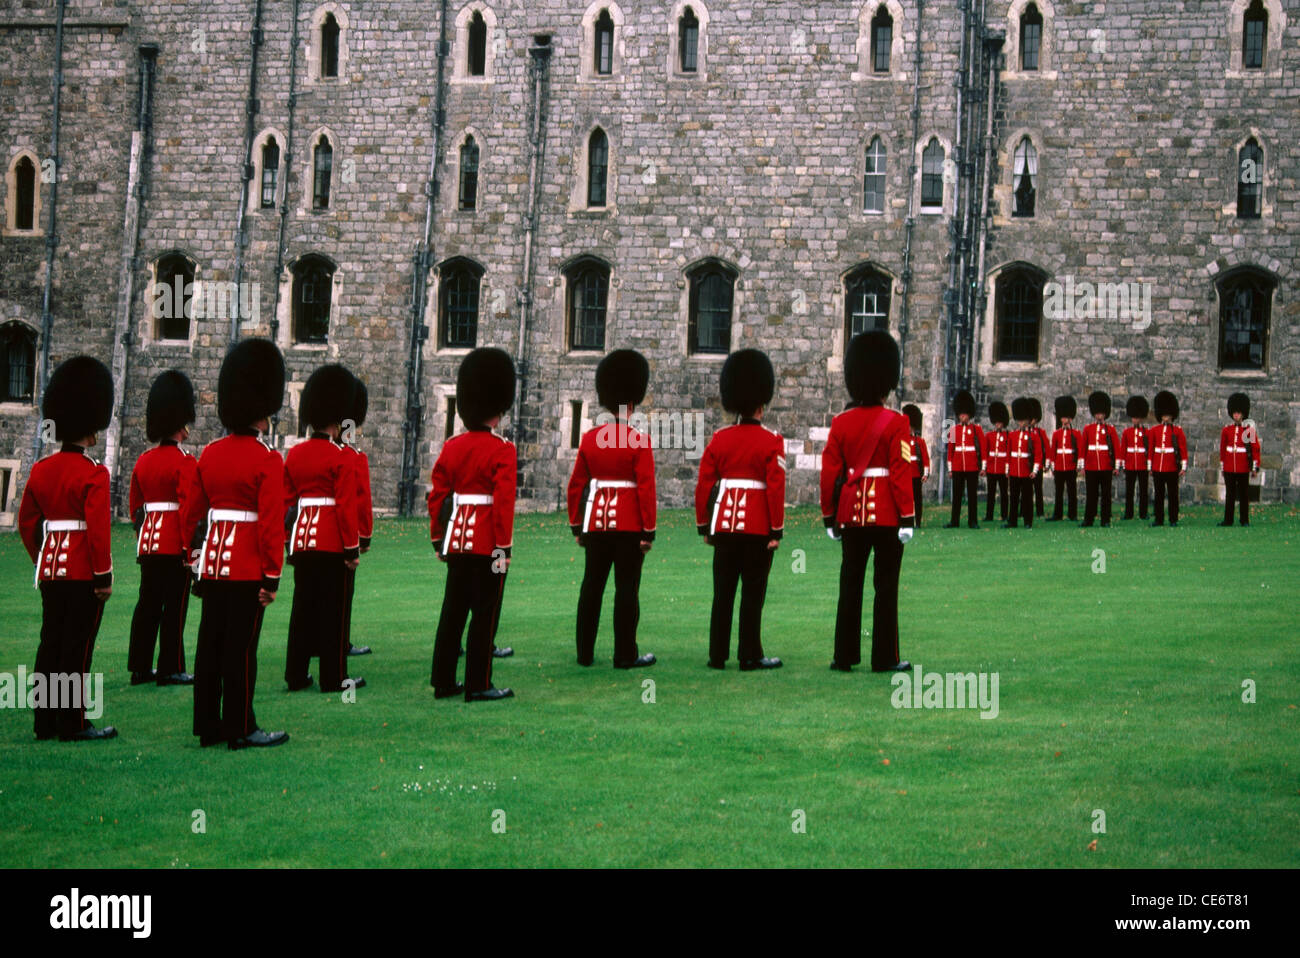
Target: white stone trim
[
  {"x": 897, "y": 45},
  {"x": 1047, "y": 50}
]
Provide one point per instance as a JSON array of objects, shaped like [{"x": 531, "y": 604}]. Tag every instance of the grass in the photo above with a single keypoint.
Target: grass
[{"x": 1119, "y": 691}]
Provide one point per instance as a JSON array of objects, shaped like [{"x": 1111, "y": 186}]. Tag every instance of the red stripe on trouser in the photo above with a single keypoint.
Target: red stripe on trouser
[
  {"x": 492, "y": 631},
  {"x": 248, "y": 689},
  {"x": 85, "y": 664}
]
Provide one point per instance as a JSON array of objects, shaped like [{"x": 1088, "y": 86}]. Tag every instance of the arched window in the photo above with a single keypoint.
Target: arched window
[
  {"x": 1250, "y": 180},
  {"x": 712, "y": 293},
  {"x": 866, "y": 301},
  {"x": 587, "y": 299},
  {"x": 1024, "y": 179},
  {"x": 173, "y": 292},
  {"x": 476, "y": 63},
  {"x": 469, "y": 175},
  {"x": 604, "y": 44},
  {"x": 688, "y": 41},
  {"x": 17, "y": 362},
  {"x": 873, "y": 178},
  {"x": 313, "y": 289},
  {"x": 597, "y": 168},
  {"x": 932, "y": 175},
  {"x": 24, "y": 215},
  {"x": 458, "y": 299},
  {"x": 1031, "y": 37},
  {"x": 323, "y": 170},
  {"x": 1019, "y": 315},
  {"x": 270, "y": 172},
  {"x": 1254, "y": 36},
  {"x": 1245, "y": 310},
  {"x": 329, "y": 46},
  {"x": 882, "y": 38}
]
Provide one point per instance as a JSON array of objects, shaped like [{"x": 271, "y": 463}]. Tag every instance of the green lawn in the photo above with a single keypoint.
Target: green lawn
[{"x": 1119, "y": 691}]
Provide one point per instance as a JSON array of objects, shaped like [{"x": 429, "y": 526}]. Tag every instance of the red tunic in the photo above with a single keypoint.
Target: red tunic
[
  {"x": 161, "y": 484},
  {"x": 1044, "y": 442},
  {"x": 64, "y": 519},
  {"x": 1136, "y": 444},
  {"x": 320, "y": 481},
  {"x": 965, "y": 447},
  {"x": 476, "y": 474},
  {"x": 920, "y": 458},
  {"x": 240, "y": 493},
  {"x": 1168, "y": 448},
  {"x": 1238, "y": 448},
  {"x": 365, "y": 504},
  {"x": 1025, "y": 457},
  {"x": 754, "y": 457},
  {"x": 1100, "y": 447},
  {"x": 877, "y": 492},
  {"x": 997, "y": 448},
  {"x": 613, "y": 453},
  {"x": 1066, "y": 446}
]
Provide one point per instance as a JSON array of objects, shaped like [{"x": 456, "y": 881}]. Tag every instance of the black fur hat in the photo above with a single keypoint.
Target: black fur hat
[
  {"x": 913, "y": 415},
  {"x": 79, "y": 398},
  {"x": 871, "y": 366},
  {"x": 1239, "y": 402},
  {"x": 747, "y": 381},
  {"x": 360, "y": 402},
  {"x": 328, "y": 397},
  {"x": 485, "y": 385},
  {"x": 963, "y": 402},
  {"x": 621, "y": 379},
  {"x": 1137, "y": 407},
  {"x": 1099, "y": 402},
  {"x": 1035, "y": 410},
  {"x": 251, "y": 383},
  {"x": 1166, "y": 404},
  {"x": 1066, "y": 407},
  {"x": 998, "y": 413},
  {"x": 1022, "y": 409},
  {"x": 171, "y": 405}
]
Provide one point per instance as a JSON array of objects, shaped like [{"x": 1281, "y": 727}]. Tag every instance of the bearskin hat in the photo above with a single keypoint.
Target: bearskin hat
[
  {"x": 1137, "y": 407},
  {"x": 360, "y": 402},
  {"x": 1035, "y": 410},
  {"x": 1099, "y": 402},
  {"x": 621, "y": 379},
  {"x": 913, "y": 415},
  {"x": 998, "y": 413},
  {"x": 485, "y": 386},
  {"x": 871, "y": 366},
  {"x": 1066, "y": 407},
  {"x": 747, "y": 381},
  {"x": 328, "y": 397},
  {"x": 79, "y": 398},
  {"x": 963, "y": 402},
  {"x": 1239, "y": 402},
  {"x": 1022, "y": 409},
  {"x": 171, "y": 405},
  {"x": 1166, "y": 404},
  {"x": 251, "y": 383}
]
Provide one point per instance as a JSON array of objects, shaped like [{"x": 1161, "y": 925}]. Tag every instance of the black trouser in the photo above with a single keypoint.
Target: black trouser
[
  {"x": 1066, "y": 485},
  {"x": 967, "y": 482},
  {"x": 746, "y": 560},
  {"x": 622, "y": 551},
  {"x": 160, "y": 616},
  {"x": 473, "y": 591},
  {"x": 1098, "y": 483},
  {"x": 998, "y": 484},
  {"x": 349, "y": 590},
  {"x": 1166, "y": 482},
  {"x": 1132, "y": 477},
  {"x": 1236, "y": 488},
  {"x": 225, "y": 664},
  {"x": 70, "y": 617},
  {"x": 916, "y": 499},
  {"x": 317, "y": 624},
  {"x": 1022, "y": 501},
  {"x": 855, "y": 549},
  {"x": 1038, "y": 494}
]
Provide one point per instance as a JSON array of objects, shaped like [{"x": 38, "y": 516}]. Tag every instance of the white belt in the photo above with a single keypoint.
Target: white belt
[
  {"x": 457, "y": 500},
  {"x": 309, "y": 502},
  {"x": 1099, "y": 448},
  {"x": 963, "y": 448},
  {"x": 596, "y": 486},
  {"x": 1162, "y": 449},
  {"x": 723, "y": 486},
  {"x": 1236, "y": 449},
  {"x": 876, "y": 473},
  {"x": 54, "y": 525},
  {"x": 1135, "y": 449},
  {"x": 231, "y": 515},
  {"x": 215, "y": 516},
  {"x": 162, "y": 507},
  {"x": 1021, "y": 455},
  {"x": 153, "y": 508}
]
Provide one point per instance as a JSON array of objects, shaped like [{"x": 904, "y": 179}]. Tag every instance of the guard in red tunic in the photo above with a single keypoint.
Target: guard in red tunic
[
  {"x": 965, "y": 448},
  {"x": 740, "y": 508},
  {"x": 866, "y": 500},
  {"x": 161, "y": 484},
  {"x": 64, "y": 523},
  {"x": 1065, "y": 458},
  {"x": 472, "y": 514},
  {"x": 1136, "y": 457},
  {"x": 920, "y": 457},
  {"x": 365, "y": 505},
  {"x": 1100, "y": 460},
  {"x": 239, "y": 494},
  {"x": 997, "y": 447},
  {"x": 1239, "y": 457},
  {"x": 320, "y": 494},
  {"x": 1035, "y": 418},
  {"x": 1168, "y": 457},
  {"x": 1025, "y": 461},
  {"x": 612, "y": 509}
]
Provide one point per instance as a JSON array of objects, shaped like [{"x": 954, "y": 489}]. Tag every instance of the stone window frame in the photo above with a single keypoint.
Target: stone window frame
[
  {"x": 560, "y": 323},
  {"x": 460, "y": 59},
  {"x": 587, "y": 58},
  {"x": 453, "y": 162},
  {"x": 675, "y": 71},
  {"x": 435, "y": 305},
  {"x": 149, "y": 329},
  {"x": 306, "y": 205},
  {"x": 20, "y": 407},
  {"x": 1004, "y": 199},
  {"x": 1218, "y": 279},
  {"x": 688, "y": 274},
  {"x": 578, "y": 196},
  {"x": 864, "y": 68},
  {"x": 255, "y": 193},
  {"x": 886, "y": 213},
  {"x": 564, "y": 451},
  {"x": 9, "y": 509},
  {"x": 1047, "y": 50},
  {"x": 1265, "y": 204},
  {"x": 835, "y": 361},
  {"x": 284, "y": 310},
  {"x": 1273, "y": 40},
  {"x": 314, "y": 44},
  {"x": 949, "y": 175},
  {"x": 988, "y": 361},
  {"x": 11, "y": 195}
]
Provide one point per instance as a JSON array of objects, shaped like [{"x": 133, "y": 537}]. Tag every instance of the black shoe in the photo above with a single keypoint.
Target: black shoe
[
  {"x": 489, "y": 695},
  {"x": 46, "y": 736},
  {"x": 1155, "y": 524},
  {"x": 903, "y": 666},
  {"x": 973, "y": 525},
  {"x": 1052, "y": 519},
  {"x": 1174, "y": 523},
  {"x": 358, "y": 650},
  {"x": 207, "y": 741},
  {"x": 502, "y": 653},
  {"x": 952, "y": 525},
  {"x": 1009, "y": 525},
  {"x": 1085, "y": 525},
  {"x": 299, "y": 686},
  {"x": 639, "y": 662},
  {"x": 176, "y": 678},
  {"x": 763, "y": 663},
  {"x": 585, "y": 663},
  {"x": 354, "y": 683},
  {"x": 715, "y": 664},
  {"x": 140, "y": 678},
  {"x": 258, "y": 739},
  {"x": 836, "y": 667},
  {"x": 448, "y": 691},
  {"x": 90, "y": 734},
  {"x": 1225, "y": 522},
  {"x": 1105, "y": 525}
]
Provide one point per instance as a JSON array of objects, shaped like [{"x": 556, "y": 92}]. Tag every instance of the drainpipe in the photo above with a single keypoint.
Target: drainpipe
[
  {"x": 904, "y": 320},
  {"x": 993, "y": 40},
  {"x": 246, "y": 175},
  {"x": 287, "y": 163}
]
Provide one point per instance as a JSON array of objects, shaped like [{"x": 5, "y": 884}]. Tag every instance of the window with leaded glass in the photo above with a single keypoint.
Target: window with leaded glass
[
  {"x": 329, "y": 47},
  {"x": 1245, "y": 307},
  {"x": 712, "y": 291},
  {"x": 1250, "y": 180},
  {"x": 270, "y": 172},
  {"x": 1019, "y": 315},
  {"x": 932, "y": 175},
  {"x": 688, "y": 41},
  {"x": 313, "y": 290},
  {"x": 17, "y": 362},
  {"x": 604, "y": 44},
  {"x": 1254, "y": 34},
  {"x": 882, "y": 37},
  {"x": 476, "y": 60},
  {"x": 873, "y": 178},
  {"x": 1025, "y": 178},
  {"x": 458, "y": 299},
  {"x": 173, "y": 296},
  {"x": 1031, "y": 37},
  {"x": 597, "y": 168},
  {"x": 866, "y": 301},
  {"x": 588, "y": 298},
  {"x": 323, "y": 171},
  {"x": 469, "y": 174}
]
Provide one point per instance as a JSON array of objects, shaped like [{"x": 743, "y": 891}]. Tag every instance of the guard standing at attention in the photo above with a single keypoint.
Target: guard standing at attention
[
  {"x": 920, "y": 457},
  {"x": 1136, "y": 458},
  {"x": 1065, "y": 458},
  {"x": 1239, "y": 457},
  {"x": 1100, "y": 460},
  {"x": 1168, "y": 457},
  {"x": 1035, "y": 418},
  {"x": 965, "y": 444},
  {"x": 1025, "y": 461},
  {"x": 997, "y": 447},
  {"x": 365, "y": 504}
]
